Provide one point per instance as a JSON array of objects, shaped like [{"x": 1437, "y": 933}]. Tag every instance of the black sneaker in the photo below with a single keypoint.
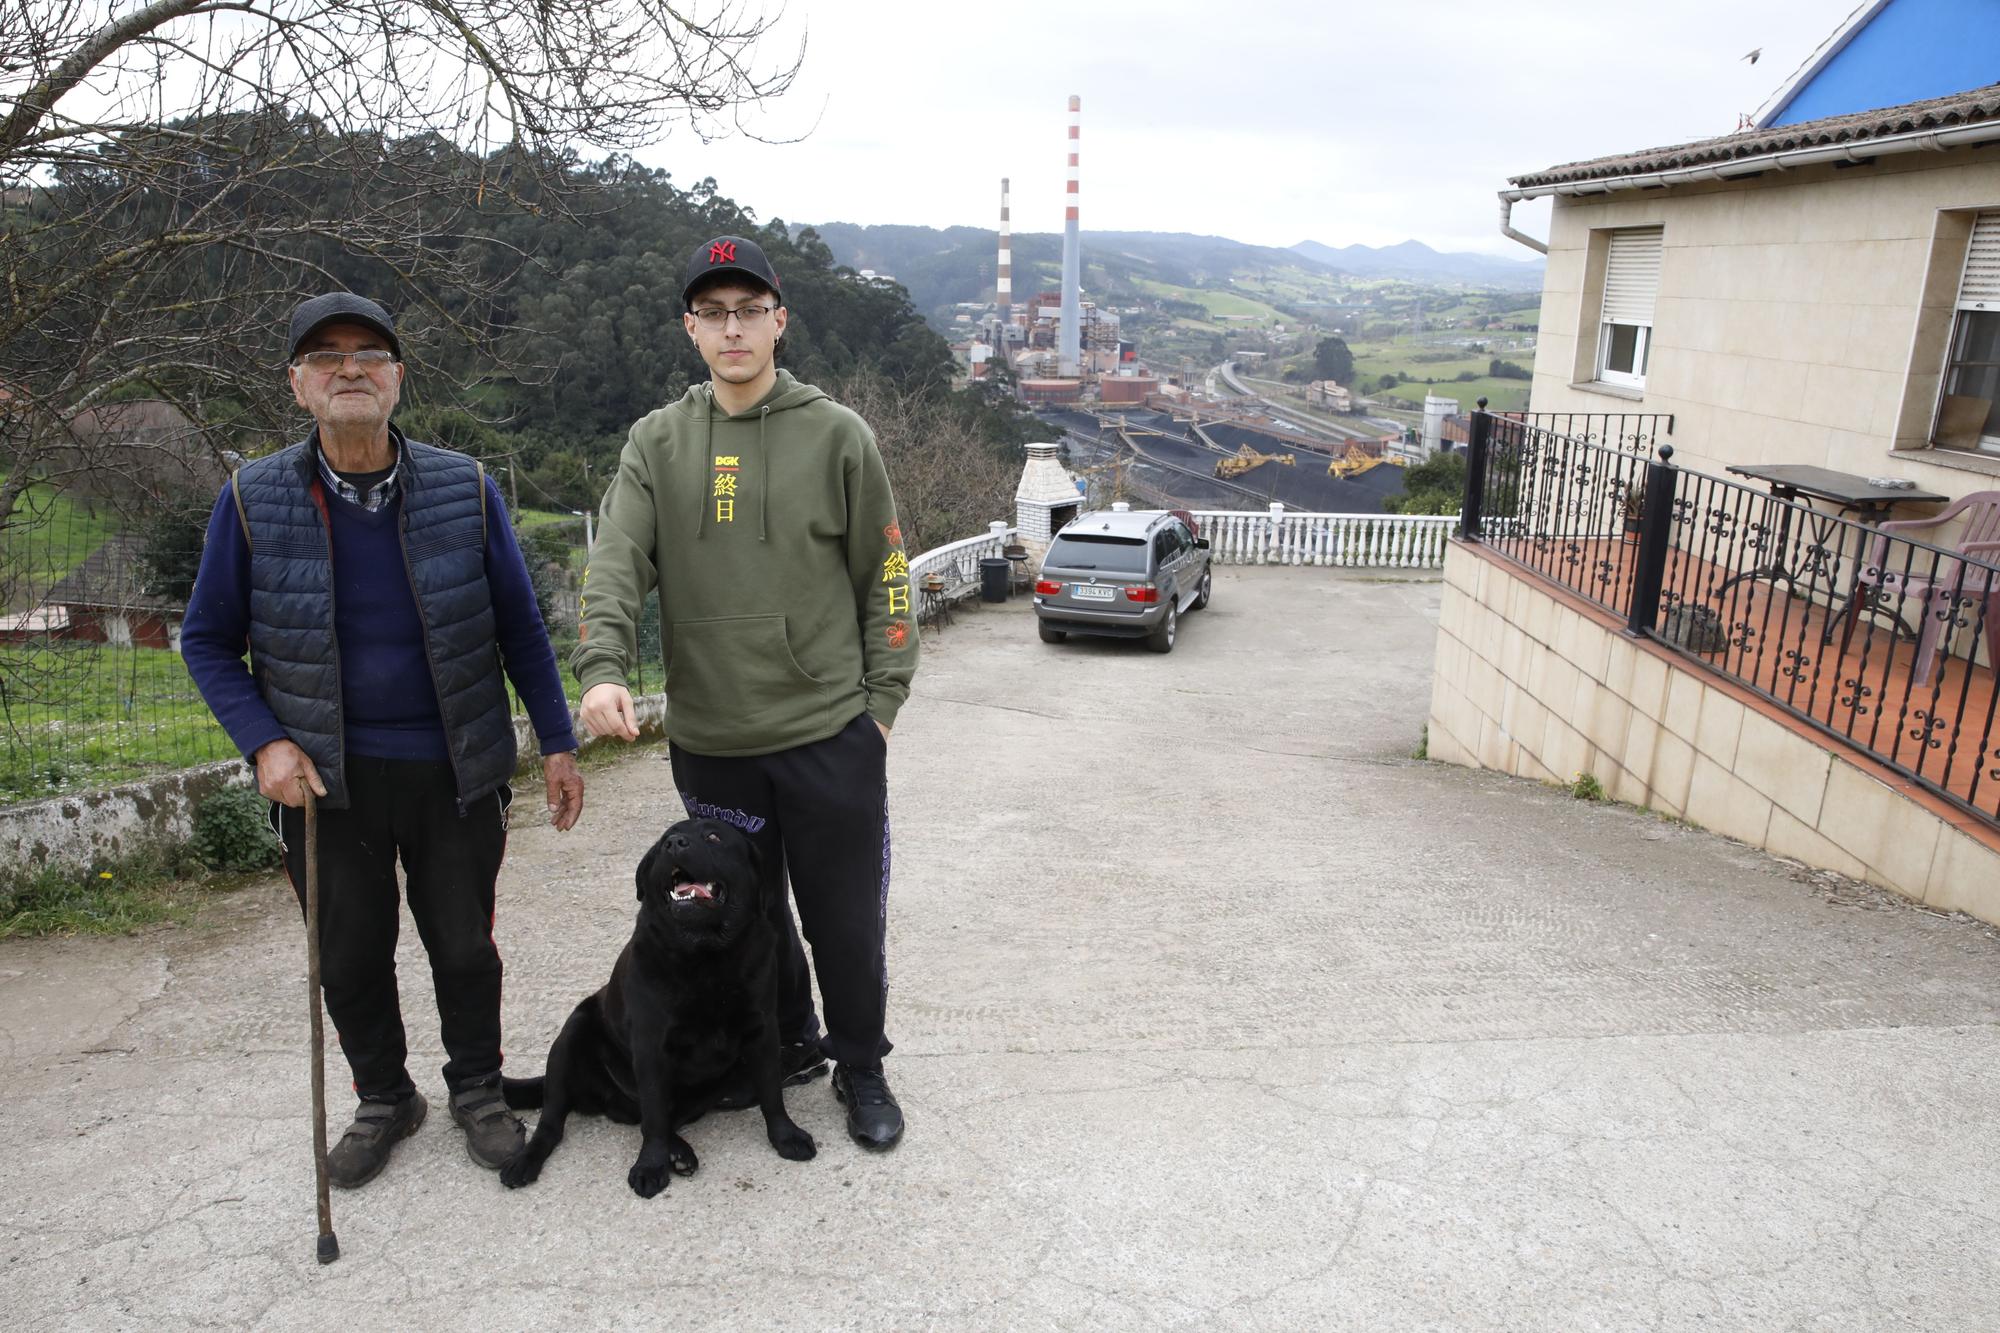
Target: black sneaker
[
  {"x": 494, "y": 1135},
  {"x": 874, "y": 1120},
  {"x": 364, "y": 1149},
  {"x": 799, "y": 1062}
]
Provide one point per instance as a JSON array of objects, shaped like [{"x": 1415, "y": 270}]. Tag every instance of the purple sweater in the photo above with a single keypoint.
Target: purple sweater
[{"x": 388, "y": 702}]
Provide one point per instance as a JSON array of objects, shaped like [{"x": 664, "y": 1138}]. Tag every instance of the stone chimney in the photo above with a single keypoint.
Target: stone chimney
[{"x": 1046, "y": 499}]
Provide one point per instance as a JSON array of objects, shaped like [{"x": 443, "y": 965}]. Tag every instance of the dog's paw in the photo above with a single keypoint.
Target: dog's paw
[
  {"x": 646, "y": 1181},
  {"x": 524, "y": 1168},
  {"x": 680, "y": 1156},
  {"x": 794, "y": 1144}
]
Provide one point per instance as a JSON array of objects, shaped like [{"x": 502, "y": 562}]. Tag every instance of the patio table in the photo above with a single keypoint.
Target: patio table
[{"x": 1849, "y": 493}]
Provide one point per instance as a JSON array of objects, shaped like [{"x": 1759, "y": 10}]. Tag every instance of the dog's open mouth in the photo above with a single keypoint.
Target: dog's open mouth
[{"x": 686, "y": 890}]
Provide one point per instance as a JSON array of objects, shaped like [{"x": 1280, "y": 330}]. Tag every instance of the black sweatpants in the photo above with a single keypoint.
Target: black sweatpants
[
  {"x": 820, "y": 815},
  {"x": 408, "y": 810}
]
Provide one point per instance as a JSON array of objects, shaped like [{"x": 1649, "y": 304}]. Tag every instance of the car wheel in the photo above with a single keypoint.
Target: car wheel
[
  {"x": 1049, "y": 633},
  {"x": 1161, "y": 640},
  {"x": 1201, "y": 596}
]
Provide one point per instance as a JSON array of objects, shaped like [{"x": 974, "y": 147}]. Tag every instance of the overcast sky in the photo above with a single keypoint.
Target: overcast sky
[{"x": 1267, "y": 121}]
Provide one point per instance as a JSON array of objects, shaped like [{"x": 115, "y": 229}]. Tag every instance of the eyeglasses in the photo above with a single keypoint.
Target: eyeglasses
[
  {"x": 368, "y": 358},
  {"x": 747, "y": 316}
]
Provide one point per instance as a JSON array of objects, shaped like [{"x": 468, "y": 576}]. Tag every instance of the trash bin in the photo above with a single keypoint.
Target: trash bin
[{"x": 993, "y": 571}]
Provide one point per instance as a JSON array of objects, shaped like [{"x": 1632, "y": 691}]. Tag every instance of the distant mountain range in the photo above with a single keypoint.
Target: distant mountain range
[
  {"x": 943, "y": 266},
  {"x": 1417, "y": 262}
]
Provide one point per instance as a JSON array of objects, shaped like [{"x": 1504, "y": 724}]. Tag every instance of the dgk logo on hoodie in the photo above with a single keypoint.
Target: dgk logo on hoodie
[{"x": 724, "y": 490}]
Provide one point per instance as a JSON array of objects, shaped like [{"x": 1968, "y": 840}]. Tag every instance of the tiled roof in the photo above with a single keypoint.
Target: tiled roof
[
  {"x": 1939, "y": 113},
  {"x": 114, "y": 575}
]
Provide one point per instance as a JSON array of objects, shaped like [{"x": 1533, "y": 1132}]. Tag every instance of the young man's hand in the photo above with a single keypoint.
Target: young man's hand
[
  {"x": 885, "y": 731},
  {"x": 607, "y": 711},
  {"x": 565, "y": 784},
  {"x": 281, "y": 766}
]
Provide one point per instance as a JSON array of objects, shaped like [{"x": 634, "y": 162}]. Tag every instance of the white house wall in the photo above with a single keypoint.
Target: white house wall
[{"x": 1787, "y": 325}]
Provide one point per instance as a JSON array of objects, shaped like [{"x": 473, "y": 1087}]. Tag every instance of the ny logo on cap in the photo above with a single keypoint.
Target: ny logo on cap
[{"x": 722, "y": 252}]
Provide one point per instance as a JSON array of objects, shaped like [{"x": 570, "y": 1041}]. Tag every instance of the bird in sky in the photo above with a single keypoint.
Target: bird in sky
[{"x": 1752, "y": 57}]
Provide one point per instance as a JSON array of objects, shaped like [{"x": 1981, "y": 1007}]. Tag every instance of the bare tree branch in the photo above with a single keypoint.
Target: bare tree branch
[{"x": 175, "y": 175}]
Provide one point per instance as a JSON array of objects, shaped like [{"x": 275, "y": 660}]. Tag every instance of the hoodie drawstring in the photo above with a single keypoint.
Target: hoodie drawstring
[
  {"x": 763, "y": 471},
  {"x": 702, "y": 483}
]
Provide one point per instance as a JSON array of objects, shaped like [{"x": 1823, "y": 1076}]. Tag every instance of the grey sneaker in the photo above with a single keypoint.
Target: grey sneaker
[
  {"x": 494, "y": 1135},
  {"x": 364, "y": 1149},
  {"x": 874, "y": 1118}
]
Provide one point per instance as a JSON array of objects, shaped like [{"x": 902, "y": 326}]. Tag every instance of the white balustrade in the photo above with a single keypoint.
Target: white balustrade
[
  {"x": 1281, "y": 537},
  {"x": 1276, "y": 536},
  {"x": 959, "y": 561}
]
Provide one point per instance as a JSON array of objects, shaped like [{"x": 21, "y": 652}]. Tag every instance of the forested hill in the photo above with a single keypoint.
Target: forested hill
[
  {"x": 602, "y": 316},
  {"x": 939, "y": 267},
  {"x": 540, "y": 320}
]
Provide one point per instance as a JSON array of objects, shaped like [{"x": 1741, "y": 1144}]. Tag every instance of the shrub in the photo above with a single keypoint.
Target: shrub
[
  {"x": 1586, "y": 787},
  {"x": 232, "y": 831}
]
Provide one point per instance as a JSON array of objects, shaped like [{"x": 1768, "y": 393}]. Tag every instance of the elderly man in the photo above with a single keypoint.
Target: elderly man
[{"x": 371, "y": 579}]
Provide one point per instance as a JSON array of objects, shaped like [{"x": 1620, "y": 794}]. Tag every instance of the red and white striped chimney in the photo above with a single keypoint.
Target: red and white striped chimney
[
  {"x": 1069, "y": 353},
  {"x": 1006, "y": 292}
]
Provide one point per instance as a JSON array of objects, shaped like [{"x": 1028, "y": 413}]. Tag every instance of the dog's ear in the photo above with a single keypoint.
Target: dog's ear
[{"x": 645, "y": 872}]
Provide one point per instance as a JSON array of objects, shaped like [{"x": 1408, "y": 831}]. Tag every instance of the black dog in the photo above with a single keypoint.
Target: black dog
[{"x": 690, "y": 1011}]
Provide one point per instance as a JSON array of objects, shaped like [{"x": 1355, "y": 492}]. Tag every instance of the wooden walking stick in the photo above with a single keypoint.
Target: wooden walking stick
[{"x": 329, "y": 1244}]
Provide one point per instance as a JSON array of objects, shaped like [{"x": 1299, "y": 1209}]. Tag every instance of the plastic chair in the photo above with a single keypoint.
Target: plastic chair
[{"x": 1935, "y": 590}]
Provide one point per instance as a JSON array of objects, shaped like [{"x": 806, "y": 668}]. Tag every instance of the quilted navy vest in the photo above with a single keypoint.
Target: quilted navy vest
[{"x": 292, "y": 653}]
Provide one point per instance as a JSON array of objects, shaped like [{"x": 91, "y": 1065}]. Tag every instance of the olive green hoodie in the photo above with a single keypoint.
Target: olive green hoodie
[{"x": 784, "y": 588}]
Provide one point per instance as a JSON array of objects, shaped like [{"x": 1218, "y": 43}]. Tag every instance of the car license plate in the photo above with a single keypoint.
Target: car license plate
[{"x": 1089, "y": 593}]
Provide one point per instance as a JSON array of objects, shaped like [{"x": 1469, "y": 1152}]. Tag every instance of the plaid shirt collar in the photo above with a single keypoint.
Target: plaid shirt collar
[{"x": 376, "y": 496}]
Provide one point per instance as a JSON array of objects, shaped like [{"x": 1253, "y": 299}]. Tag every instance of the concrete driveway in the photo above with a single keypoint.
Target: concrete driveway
[{"x": 1214, "y": 1009}]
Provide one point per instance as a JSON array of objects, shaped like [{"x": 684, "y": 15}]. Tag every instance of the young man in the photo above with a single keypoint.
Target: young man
[
  {"x": 371, "y": 578},
  {"x": 761, "y": 511}
]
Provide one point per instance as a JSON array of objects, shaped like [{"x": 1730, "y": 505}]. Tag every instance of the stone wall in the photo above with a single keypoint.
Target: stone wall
[
  {"x": 1536, "y": 683},
  {"x": 102, "y": 826}
]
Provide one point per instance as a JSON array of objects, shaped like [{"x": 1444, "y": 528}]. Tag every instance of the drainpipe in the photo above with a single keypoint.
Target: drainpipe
[{"x": 1507, "y": 228}]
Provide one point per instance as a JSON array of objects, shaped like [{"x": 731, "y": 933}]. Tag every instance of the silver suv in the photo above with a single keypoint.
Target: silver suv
[{"x": 1125, "y": 573}]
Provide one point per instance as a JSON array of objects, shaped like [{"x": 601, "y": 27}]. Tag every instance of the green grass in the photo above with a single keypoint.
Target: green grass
[
  {"x": 542, "y": 518},
  {"x": 48, "y": 535},
  {"x": 1432, "y": 357},
  {"x": 1216, "y": 303},
  {"x": 79, "y": 717},
  {"x": 158, "y": 885},
  {"x": 1500, "y": 395}
]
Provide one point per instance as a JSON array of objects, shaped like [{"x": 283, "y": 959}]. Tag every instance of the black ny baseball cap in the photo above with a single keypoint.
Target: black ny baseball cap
[
  {"x": 339, "y": 308},
  {"x": 732, "y": 255}
]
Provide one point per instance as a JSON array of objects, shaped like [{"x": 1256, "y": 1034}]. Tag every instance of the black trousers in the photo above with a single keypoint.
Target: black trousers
[
  {"x": 820, "y": 814},
  {"x": 405, "y": 810}
]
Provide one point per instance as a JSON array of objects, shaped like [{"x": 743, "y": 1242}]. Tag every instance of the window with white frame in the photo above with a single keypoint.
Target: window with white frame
[
  {"x": 1969, "y": 409},
  {"x": 1625, "y": 328}
]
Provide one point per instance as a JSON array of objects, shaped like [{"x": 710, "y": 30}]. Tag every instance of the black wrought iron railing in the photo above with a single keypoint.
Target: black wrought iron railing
[
  {"x": 1632, "y": 432},
  {"x": 1863, "y": 632}
]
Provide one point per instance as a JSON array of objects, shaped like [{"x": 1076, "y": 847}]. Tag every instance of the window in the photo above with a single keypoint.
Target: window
[
  {"x": 1969, "y": 409},
  {"x": 1625, "y": 329},
  {"x": 1112, "y": 555}
]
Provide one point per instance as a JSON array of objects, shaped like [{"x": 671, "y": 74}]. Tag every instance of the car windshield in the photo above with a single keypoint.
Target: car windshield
[{"x": 1083, "y": 550}]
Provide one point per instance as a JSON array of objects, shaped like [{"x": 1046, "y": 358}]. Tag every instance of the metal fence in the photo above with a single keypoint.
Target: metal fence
[
  {"x": 1871, "y": 636},
  {"x": 92, "y": 689}
]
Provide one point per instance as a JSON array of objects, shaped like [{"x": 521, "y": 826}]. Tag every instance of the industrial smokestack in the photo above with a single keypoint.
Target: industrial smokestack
[
  {"x": 1067, "y": 355},
  {"x": 1006, "y": 293}
]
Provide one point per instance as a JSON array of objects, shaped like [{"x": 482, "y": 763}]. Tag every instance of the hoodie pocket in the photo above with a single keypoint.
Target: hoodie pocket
[{"x": 733, "y": 685}]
